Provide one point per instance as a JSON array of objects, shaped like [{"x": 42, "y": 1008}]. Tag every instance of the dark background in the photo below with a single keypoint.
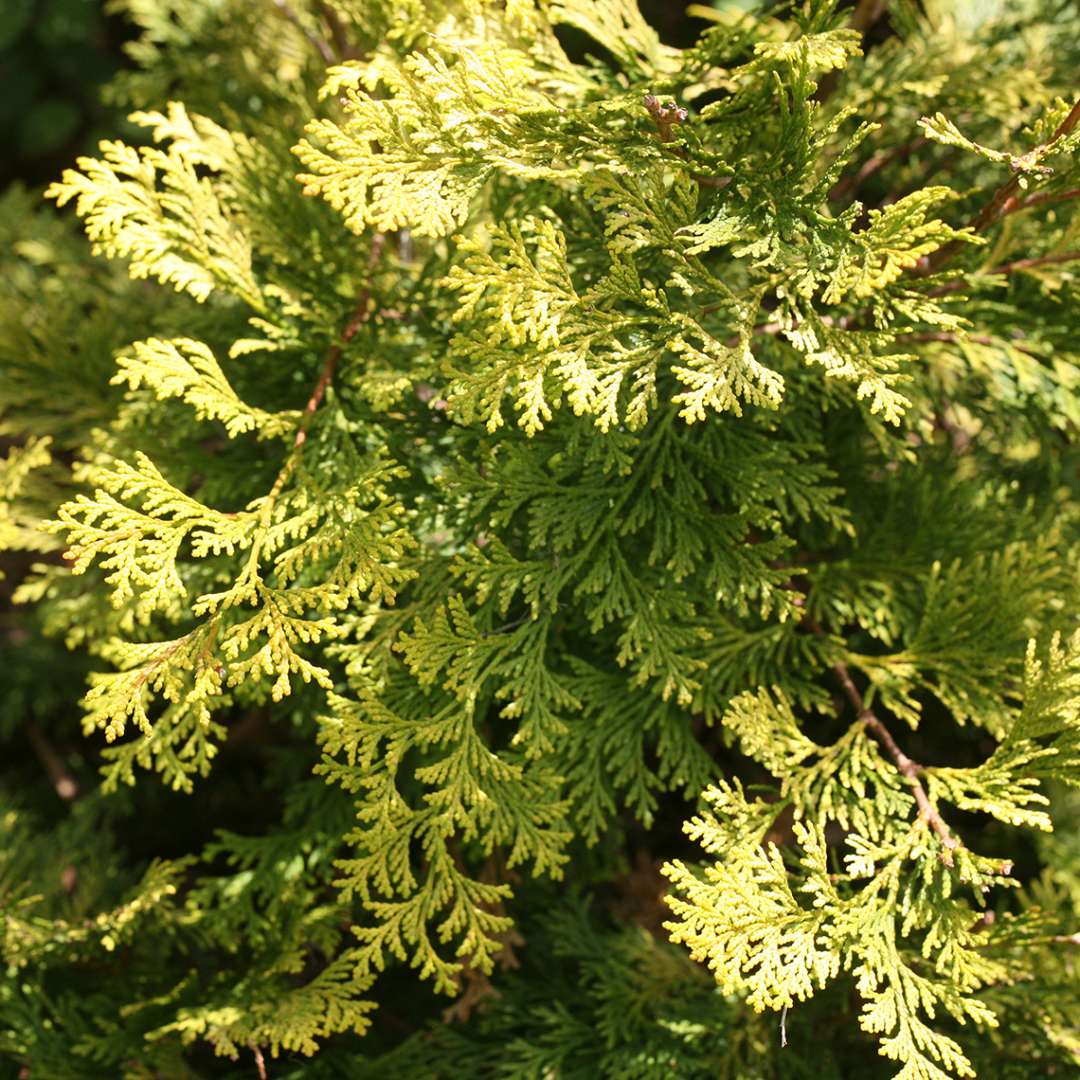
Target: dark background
[{"x": 57, "y": 55}]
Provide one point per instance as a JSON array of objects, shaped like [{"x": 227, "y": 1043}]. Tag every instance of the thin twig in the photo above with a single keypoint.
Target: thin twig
[
  {"x": 1008, "y": 268},
  {"x": 1042, "y": 197},
  {"x": 67, "y": 787},
  {"x": 285, "y": 10},
  {"x": 1004, "y": 201},
  {"x": 1007, "y": 191},
  {"x": 909, "y": 769},
  {"x": 360, "y": 315},
  {"x": 947, "y": 336},
  {"x": 1040, "y": 260},
  {"x": 1022, "y": 943},
  {"x": 1021, "y": 345},
  {"x": 851, "y": 184},
  {"x": 260, "y": 1062}
]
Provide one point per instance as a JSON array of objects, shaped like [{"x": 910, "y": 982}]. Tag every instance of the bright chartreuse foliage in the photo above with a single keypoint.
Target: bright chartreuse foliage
[{"x": 491, "y": 438}]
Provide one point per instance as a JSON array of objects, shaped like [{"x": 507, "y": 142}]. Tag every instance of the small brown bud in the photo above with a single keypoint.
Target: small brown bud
[{"x": 69, "y": 878}]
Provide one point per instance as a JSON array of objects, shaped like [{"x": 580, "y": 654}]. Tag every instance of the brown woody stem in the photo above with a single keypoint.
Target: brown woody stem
[
  {"x": 1009, "y": 268},
  {"x": 865, "y": 14},
  {"x": 66, "y": 785},
  {"x": 360, "y": 315},
  {"x": 338, "y": 32},
  {"x": 285, "y": 10},
  {"x": 909, "y": 769},
  {"x": 1041, "y": 198}
]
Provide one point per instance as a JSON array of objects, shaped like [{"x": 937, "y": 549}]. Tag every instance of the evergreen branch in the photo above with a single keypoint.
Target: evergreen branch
[
  {"x": 169, "y": 211},
  {"x": 1003, "y": 201},
  {"x": 960, "y": 338},
  {"x": 949, "y": 336},
  {"x": 865, "y": 15}
]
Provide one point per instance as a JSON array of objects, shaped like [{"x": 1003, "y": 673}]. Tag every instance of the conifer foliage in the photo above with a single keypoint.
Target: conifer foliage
[{"x": 566, "y": 547}]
